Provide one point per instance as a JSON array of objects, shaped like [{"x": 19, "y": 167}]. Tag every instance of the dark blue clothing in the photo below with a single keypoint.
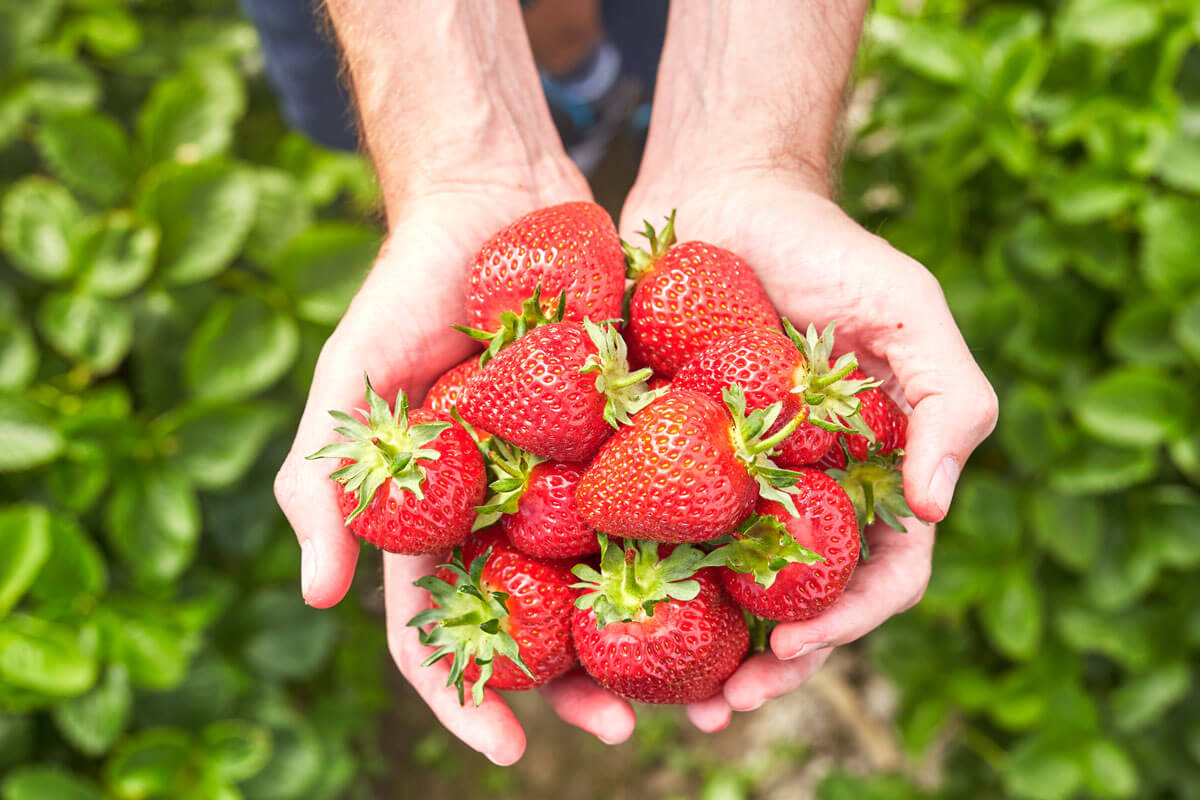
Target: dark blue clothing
[{"x": 302, "y": 61}]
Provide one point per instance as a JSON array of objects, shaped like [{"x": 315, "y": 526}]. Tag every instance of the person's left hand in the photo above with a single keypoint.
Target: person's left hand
[{"x": 819, "y": 266}]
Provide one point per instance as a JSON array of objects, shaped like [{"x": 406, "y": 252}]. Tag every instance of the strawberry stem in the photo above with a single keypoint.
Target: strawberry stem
[
  {"x": 625, "y": 392},
  {"x": 640, "y": 262}
]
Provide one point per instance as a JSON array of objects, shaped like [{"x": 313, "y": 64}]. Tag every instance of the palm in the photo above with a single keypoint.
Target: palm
[
  {"x": 818, "y": 266},
  {"x": 398, "y": 332}
]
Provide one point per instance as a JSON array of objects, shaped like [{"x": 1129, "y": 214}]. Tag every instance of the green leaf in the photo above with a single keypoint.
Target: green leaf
[
  {"x": 282, "y": 212},
  {"x": 188, "y": 117},
  {"x": 288, "y": 639},
  {"x": 91, "y": 330},
  {"x": 242, "y": 347},
  {"x": 153, "y": 522},
  {"x": 1179, "y": 163},
  {"x": 38, "y": 224},
  {"x": 28, "y": 439},
  {"x": 322, "y": 268},
  {"x": 75, "y": 567},
  {"x": 940, "y": 53},
  {"x": 1038, "y": 769},
  {"x": 1090, "y": 195},
  {"x": 1144, "y": 699},
  {"x": 46, "y": 783},
  {"x": 1012, "y": 614},
  {"x": 93, "y": 721},
  {"x": 1110, "y": 770},
  {"x": 1140, "y": 332},
  {"x": 204, "y": 212},
  {"x": 18, "y": 351},
  {"x": 89, "y": 153},
  {"x": 1186, "y": 327},
  {"x": 296, "y": 763},
  {"x": 115, "y": 255},
  {"x": 1034, "y": 426},
  {"x": 47, "y": 657},
  {"x": 1109, "y": 23},
  {"x": 24, "y": 548},
  {"x": 142, "y": 637},
  {"x": 236, "y": 751},
  {"x": 108, "y": 32},
  {"x": 77, "y": 480},
  {"x": 1097, "y": 468},
  {"x": 1134, "y": 406},
  {"x": 150, "y": 765},
  {"x": 1170, "y": 241},
  {"x": 55, "y": 84},
  {"x": 215, "y": 446},
  {"x": 1165, "y": 518},
  {"x": 1069, "y": 528}
]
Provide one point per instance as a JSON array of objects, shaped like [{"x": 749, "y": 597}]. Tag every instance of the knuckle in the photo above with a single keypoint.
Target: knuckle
[{"x": 285, "y": 484}]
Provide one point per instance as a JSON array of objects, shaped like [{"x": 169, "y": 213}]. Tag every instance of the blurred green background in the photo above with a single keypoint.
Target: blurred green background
[{"x": 171, "y": 259}]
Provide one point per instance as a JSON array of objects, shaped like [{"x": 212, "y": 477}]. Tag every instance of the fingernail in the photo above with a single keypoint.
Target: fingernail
[
  {"x": 496, "y": 761},
  {"x": 805, "y": 649},
  {"x": 606, "y": 740},
  {"x": 941, "y": 485},
  {"x": 757, "y": 705},
  {"x": 308, "y": 567}
]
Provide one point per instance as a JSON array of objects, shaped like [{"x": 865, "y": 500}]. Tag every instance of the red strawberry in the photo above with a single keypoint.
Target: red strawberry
[
  {"x": 688, "y": 296},
  {"x": 792, "y": 369},
  {"x": 571, "y": 248},
  {"x": 682, "y": 472},
  {"x": 406, "y": 486},
  {"x": 656, "y": 631},
  {"x": 445, "y": 393},
  {"x": 885, "y": 419},
  {"x": 534, "y": 501},
  {"x": 773, "y": 569},
  {"x": 540, "y": 392},
  {"x": 506, "y": 620}
]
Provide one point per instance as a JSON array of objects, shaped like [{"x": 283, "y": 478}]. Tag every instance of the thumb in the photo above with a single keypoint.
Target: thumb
[{"x": 954, "y": 406}]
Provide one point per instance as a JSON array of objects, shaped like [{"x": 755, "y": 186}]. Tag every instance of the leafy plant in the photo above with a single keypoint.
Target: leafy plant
[{"x": 164, "y": 287}]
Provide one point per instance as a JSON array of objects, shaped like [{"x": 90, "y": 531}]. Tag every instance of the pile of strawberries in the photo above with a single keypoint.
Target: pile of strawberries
[{"x": 631, "y": 480}]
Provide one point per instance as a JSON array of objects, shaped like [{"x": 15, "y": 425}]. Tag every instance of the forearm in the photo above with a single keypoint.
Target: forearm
[
  {"x": 447, "y": 93},
  {"x": 754, "y": 83}
]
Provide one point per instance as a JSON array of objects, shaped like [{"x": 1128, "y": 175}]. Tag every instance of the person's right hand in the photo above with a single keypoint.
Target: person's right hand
[{"x": 397, "y": 331}]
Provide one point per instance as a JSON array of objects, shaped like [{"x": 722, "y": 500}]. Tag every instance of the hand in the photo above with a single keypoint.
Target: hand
[
  {"x": 819, "y": 266},
  {"x": 397, "y": 330}
]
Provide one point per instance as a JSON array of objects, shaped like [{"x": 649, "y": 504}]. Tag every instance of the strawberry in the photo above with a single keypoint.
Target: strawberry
[
  {"x": 682, "y": 472},
  {"x": 534, "y": 501},
  {"x": 792, "y": 567},
  {"x": 688, "y": 296},
  {"x": 406, "y": 485},
  {"x": 558, "y": 391},
  {"x": 570, "y": 249},
  {"x": 792, "y": 369},
  {"x": 506, "y": 619},
  {"x": 882, "y": 416},
  {"x": 445, "y": 393},
  {"x": 656, "y": 630}
]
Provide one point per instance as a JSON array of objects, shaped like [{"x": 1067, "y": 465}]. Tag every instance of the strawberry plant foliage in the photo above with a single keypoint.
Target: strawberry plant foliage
[{"x": 149, "y": 360}]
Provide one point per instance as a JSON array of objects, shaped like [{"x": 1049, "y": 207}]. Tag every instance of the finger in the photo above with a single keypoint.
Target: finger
[
  {"x": 954, "y": 406},
  {"x": 763, "y": 676},
  {"x": 710, "y": 715},
  {"x": 309, "y": 498},
  {"x": 892, "y": 581},
  {"x": 581, "y": 702},
  {"x": 490, "y": 728}
]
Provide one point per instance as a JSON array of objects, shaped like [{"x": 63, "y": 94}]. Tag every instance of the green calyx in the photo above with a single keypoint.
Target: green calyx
[
  {"x": 513, "y": 325},
  {"x": 510, "y": 467},
  {"x": 753, "y": 446},
  {"x": 626, "y": 392},
  {"x": 633, "y": 580},
  {"x": 827, "y": 390},
  {"x": 384, "y": 447},
  {"x": 875, "y": 486},
  {"x": 466, "y": 624},
  {"x": 762, "y": 546},
  {"x": 639, "y": 261}
]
